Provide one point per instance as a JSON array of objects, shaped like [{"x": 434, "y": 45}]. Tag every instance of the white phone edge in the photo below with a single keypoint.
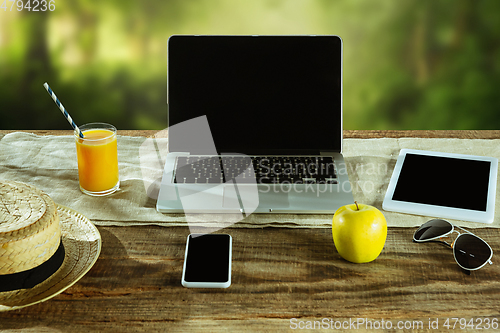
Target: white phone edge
[{"x": 207, "y": 284}]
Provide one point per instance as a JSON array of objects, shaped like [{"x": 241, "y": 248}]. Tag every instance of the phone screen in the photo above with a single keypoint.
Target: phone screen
[{"x": 208, "y": 259}]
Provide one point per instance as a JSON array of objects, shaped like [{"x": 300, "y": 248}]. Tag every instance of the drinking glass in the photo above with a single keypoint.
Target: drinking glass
[{"x": 97, "y": 156}]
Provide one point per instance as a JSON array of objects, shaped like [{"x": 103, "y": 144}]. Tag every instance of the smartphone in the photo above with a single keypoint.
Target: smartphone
[{"x": 207, "y": 261}]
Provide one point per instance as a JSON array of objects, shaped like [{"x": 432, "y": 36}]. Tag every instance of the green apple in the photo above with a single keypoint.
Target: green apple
[{"x": 359, "y": 232}]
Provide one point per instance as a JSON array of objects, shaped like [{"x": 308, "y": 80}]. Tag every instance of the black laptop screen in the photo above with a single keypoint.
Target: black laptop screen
[{"x": 261, "y": 94}]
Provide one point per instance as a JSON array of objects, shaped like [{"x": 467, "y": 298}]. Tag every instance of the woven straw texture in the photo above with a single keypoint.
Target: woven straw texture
[
  {"x": 82, "y": 243},
  {"x": 30, "y": 232}
]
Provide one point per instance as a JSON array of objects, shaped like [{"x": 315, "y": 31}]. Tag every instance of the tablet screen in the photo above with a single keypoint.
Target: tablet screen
[{"x": 444, "y": 181}]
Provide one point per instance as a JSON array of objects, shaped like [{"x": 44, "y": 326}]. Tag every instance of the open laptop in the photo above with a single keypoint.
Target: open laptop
[{"x": 255, "y": 125}]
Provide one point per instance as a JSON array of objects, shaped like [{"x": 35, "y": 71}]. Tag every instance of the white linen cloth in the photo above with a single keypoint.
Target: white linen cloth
[{"x": 49, "y": 163}]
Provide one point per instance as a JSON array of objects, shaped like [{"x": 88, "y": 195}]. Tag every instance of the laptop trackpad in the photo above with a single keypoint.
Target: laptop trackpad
[
  {"x": 268, "y": 198},
  {"x": 271, "y": 199}
]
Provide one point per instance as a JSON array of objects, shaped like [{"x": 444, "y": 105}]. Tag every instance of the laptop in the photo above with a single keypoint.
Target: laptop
[{"x": 255, "y": 125}]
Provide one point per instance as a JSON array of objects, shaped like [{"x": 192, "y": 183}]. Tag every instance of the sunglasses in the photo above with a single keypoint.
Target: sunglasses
[{"x": 470, "y": 251}]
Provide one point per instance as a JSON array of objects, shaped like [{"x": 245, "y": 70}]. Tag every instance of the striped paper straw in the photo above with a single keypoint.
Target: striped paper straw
[{"x": 63, "y": 110}]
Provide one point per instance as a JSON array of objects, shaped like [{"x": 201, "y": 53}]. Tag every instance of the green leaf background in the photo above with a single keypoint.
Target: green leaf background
[{"x": 408, "y": 64}]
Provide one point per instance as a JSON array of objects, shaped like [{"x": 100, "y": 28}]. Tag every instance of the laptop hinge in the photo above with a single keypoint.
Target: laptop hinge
[{"x": 288, "y": 152}]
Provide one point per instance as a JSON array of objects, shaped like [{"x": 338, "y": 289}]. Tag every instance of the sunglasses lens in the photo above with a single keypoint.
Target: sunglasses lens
[
  {"x": 471, "y": 252},
  {"x": 432, "y": 229}
]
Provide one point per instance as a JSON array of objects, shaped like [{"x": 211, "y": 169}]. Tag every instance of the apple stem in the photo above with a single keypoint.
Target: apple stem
[{"x": 357, "y": 207}]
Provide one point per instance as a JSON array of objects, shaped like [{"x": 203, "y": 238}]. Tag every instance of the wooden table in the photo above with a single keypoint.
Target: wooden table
[{"x": 283, "y": 279}]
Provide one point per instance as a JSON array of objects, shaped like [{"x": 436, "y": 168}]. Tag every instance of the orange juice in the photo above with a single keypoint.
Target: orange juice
[{"x": 97, "y": 161}]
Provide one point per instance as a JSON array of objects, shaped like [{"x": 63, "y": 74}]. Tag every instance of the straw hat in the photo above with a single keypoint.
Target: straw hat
[{"x": 35, "y": 234}]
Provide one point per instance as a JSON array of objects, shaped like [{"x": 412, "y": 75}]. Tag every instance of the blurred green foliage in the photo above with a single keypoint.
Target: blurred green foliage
[{"x": 409, "y": 64}]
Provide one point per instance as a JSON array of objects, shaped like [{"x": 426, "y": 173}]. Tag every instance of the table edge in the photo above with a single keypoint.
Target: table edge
[{"x": 348, "y": 134}]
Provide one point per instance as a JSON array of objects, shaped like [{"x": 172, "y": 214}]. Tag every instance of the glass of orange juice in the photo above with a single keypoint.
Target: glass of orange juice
[{"x": 97, "y": 159}]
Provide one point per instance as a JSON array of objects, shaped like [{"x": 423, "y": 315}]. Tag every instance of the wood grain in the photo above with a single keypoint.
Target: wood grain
[
  {"x": 280, "y": 277},
  {"x": 461, "y": 134},
  {"x": 278, "y": 274},
  {"x": 359, "y": 134}
]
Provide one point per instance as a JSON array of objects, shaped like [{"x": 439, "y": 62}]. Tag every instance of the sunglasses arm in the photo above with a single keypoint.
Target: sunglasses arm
[
  {"x": 466, "y": 231},
  {"x": 435, "y": 241}
]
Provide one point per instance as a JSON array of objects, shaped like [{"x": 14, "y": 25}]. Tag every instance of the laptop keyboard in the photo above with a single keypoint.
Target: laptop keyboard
[{"x": 267, "y": 169}]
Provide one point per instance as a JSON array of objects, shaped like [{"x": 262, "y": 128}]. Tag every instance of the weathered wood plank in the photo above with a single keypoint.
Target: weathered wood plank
[
  {"x": 359, "y": 134},
  {"x": 144, "y": 133},
  {"x": 278, "y": 274},
  {"x": 461, "y": 134}
]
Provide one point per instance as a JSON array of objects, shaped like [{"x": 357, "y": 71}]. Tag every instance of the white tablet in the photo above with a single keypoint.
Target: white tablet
[{"x": 445, "y": 185}]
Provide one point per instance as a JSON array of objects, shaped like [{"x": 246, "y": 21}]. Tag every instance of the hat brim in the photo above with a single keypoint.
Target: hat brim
[{"x": 82, "y": 243}]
